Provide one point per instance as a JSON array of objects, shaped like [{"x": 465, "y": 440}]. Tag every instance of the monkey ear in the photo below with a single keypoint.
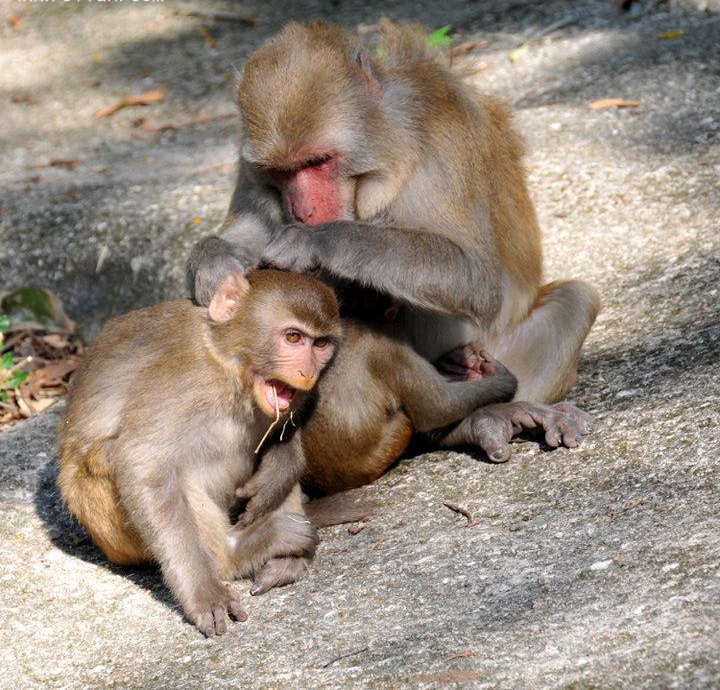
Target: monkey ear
[
  {"x": 228, "y": 297},
  {"x": 374, "y": 87}
]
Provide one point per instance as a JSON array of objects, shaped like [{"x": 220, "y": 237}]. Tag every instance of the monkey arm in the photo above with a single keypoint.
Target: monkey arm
[
  {"x": 432, "y": 402},
  {"x": 163, "y": 513},
  {"x": 280, "y": 470},
  {"x": 422, "y": 268}
]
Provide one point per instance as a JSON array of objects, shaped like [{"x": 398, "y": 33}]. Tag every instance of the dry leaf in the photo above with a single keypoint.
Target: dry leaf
[
  {"x": 606, "y": 103},
  {"x": 24, "y": 100},
  {"x": 467, "y": 46},
  {"x": 467, "y": 654},
  {"x": 146, "y": 126},
  {"x": 14, "y": 22},
  {"x": 209, "y": 38},
  {"x": 148, "y": 98},
  {"x": 55, "y": 340},
  {"x": 71, "y": 193},
  {"x": 67, "y": 163},
  {"x": 670, "y": 35}
]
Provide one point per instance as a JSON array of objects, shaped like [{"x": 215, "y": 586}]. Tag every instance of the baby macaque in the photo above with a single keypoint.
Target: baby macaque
[
  {"x": 169, "y": 414},
  {"x": 378, "y": 393}
]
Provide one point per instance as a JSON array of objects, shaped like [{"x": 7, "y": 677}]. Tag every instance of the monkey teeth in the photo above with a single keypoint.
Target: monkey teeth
[{"x": 278, "y": 394}]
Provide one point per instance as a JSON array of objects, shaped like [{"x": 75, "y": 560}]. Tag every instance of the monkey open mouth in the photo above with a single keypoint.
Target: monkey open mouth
[{"x": 277, "y": 390}]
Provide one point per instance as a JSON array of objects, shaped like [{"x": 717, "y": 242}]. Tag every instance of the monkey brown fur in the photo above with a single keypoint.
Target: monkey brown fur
[
  {"x": 162, "y": 421},
  {"x": 396, "y": 175}
]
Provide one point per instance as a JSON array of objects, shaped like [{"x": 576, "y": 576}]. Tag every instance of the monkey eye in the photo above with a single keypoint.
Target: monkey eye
[
  {"x": 293, "y": 337},
  {"x": 316, "y": 161},
  {"x": 321, "y": 343}
]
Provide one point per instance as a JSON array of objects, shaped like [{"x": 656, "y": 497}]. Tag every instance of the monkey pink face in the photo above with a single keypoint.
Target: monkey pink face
[
  {"x": 298, "y": 360},
  {"x": 314, "y": 192}
]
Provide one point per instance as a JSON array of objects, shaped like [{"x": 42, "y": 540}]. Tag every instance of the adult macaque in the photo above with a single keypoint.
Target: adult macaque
[
  {"x": 164, "y": 420},
  {"x": 396, "y": 175}
]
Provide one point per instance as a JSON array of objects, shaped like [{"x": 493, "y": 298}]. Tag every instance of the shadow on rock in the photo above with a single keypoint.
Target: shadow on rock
[{"x": 70, "y": 537}]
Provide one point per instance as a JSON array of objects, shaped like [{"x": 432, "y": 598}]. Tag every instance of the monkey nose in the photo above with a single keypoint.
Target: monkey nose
[{"x": 303, "y": 214}]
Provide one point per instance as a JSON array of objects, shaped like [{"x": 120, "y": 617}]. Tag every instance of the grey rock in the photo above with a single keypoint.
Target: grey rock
[{"x": 594, "y": 567}]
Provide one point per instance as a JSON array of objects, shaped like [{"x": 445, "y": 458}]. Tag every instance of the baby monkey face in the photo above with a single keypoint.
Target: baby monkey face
[{"x": 294, "y": 362}]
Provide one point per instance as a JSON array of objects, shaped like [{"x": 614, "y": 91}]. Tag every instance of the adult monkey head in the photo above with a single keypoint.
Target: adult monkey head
[
  {"x": 316, "y": 139},
  {"x": 396, "y": 175}
]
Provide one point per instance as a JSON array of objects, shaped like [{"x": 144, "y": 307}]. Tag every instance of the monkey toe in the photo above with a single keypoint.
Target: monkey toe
[
  {"x": 211, "y": 610},
  {"x": 278, "y": 572},
  {"x": 493, "y": 434},
  {"x": 582, "y": 419}
]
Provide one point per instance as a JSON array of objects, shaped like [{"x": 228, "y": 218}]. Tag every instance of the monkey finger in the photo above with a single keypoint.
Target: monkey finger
[
  {"x": 493, "y": 437},
  {"x": 454, "y": 371},
  {"x": 245, "y": 492},
  {"x": 236, "y": 611},
  {"x": 232, "y": 604},
  {"x": 582, "y": 419},
  {"x": 220, "y": 620},
  {"x": 205, "y": 623},
  {"x": 245, "y": 519}
]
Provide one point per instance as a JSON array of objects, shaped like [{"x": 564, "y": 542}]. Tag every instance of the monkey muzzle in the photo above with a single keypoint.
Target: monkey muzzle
[{"x": 279, "y": 395}]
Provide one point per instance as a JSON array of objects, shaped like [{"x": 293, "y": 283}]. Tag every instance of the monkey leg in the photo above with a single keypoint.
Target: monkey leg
[
  {"x": 543, "y": 350},
  {"x": 91, "y": 495},
  {"x": 277, "y": 549},
  {"x": 340, "y": 458}
]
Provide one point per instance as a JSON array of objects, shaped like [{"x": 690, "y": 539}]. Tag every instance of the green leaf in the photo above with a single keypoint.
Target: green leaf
[
  {"x": 3, "y": 396},
  {"x": 6, "y": 361},
  {"x": 4, "y": 323},
  {"x": 516, "y": 54},
  {"x": 30, "y": 306},
  {"x": 439, "y": 37},
  {"x": 380, "y": 51},
  {"x": 14, "y": 380}
]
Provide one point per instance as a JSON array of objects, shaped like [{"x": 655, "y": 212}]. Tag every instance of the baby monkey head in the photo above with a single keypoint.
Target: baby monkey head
[{"x": 280, "y": 328}]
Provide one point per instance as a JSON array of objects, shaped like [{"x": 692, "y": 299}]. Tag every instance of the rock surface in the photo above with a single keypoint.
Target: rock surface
[{"x": 595, "y": 567}]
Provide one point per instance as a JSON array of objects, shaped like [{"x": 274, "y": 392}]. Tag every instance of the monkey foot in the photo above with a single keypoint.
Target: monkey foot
[
  {"x": 465, "y": 363},
  {"x": 278, "y": 572},
  {"x": 494, "y": 426}
]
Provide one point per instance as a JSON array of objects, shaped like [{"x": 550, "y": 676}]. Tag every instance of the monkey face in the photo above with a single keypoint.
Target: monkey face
[{"x": 293, "y": 362}]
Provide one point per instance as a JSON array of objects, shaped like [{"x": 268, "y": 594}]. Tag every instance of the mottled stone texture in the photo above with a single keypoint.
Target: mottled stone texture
[{"x": 589, "y": 568}]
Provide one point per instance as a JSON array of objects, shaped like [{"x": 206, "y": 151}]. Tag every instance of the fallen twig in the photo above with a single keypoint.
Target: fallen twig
[
  {"x": 345, "y": 656},
  {"x": 240, "y": 17},
  {"x": 462, "y": 511},
  {"x": 375, "y": 545},
  {"x": 523, "y": 46}
]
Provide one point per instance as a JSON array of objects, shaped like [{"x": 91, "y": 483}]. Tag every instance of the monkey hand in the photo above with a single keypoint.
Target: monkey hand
[
  {"x": 294, "y": 248},
  {"x": 468, "y": 363},
  {"x": 262, "y": 497},
  {"x": 211, "y": 260},
  {"x": 209, "y": 606},
  {"x": 494, "y": 426}
]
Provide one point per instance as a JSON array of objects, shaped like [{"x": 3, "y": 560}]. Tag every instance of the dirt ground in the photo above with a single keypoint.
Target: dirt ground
[{"x": 590, "y": 568}]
